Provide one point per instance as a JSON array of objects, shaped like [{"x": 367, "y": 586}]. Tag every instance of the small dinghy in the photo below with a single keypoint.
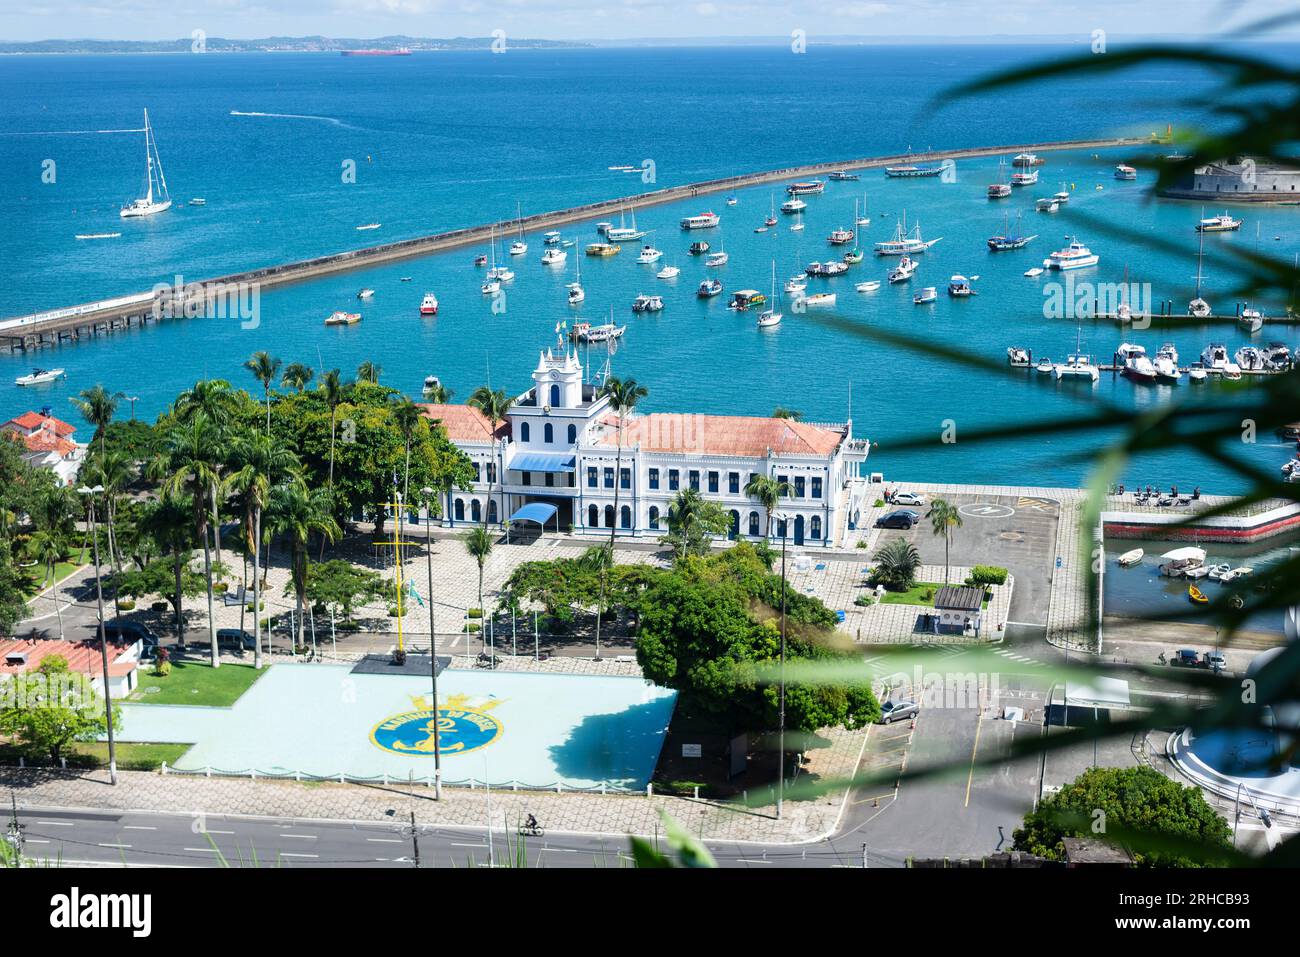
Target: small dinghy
[
  {"x": 1196, "y": 596},
  {"x": 1131, "y": 558}
]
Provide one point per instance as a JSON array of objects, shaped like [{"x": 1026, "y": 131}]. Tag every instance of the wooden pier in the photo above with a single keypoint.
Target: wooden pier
[{"x": 99, "y": 318}]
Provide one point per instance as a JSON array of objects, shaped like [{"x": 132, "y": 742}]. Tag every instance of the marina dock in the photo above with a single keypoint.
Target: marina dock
[{"x": 51, "y": 327}]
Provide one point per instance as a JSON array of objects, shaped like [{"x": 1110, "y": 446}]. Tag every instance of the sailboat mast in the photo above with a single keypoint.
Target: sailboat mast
[{"x": 148, "y": 161}]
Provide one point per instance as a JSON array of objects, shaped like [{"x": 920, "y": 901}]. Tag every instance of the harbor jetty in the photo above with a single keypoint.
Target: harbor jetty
[{"x": 22, "y": 333}]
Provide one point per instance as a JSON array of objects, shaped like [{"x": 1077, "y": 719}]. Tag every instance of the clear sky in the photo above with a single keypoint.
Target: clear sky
[{"x": 620, "y": 19}]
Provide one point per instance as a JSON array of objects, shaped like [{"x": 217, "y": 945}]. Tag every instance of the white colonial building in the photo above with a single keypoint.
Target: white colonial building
[{"x": 558, "y": 449}]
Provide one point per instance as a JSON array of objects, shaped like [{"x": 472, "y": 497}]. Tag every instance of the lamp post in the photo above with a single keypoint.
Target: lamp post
[
  {"x": 133, "y": 399},
  {"x": 430, "y": 500},
  {"x": 90, "y": 494},
  {"x": 780, "y": 758}
]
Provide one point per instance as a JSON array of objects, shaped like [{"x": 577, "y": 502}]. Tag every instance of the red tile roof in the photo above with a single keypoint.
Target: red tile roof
[
  {"x": 82, "y": 656},
  {"x": 746, "y": 436},
  {"x": 464, "y": 423},
  {"x": 43, "y": 441},
  {"x": 34, "y": 420}
]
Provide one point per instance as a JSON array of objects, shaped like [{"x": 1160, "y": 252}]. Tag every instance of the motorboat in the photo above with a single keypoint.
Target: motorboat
[
  {"x": 840, "y": 237},
  {"x": 903, "y": 241},
  {"x": 1018, "y": 357},
  {"x": 1232, "y": 574},
  {"x": 698, "y": 248},
  {"x": 156, "y": 198},
  {"x": 1027, "y": 159},
  {"x": 1045, "y": 366},
  {"x": 40, "y": 377},
  {"x": 819, "y": 299},
  {"x": 1062, "y": 197},
  {"x": 911, "y": 171},
  {"x": 1222, "y": 223},
  {"x": 1196, "y": 373},
  {"x": 1251, "y": 319},
  {"x": 490, "y": 287},
  {"x": 518, "y": 247},
  {"x": 668, "y": 272},
  {"x": 341, "y": 318},
  {"x": 480, "y": 260},
  {"x": 429, "y": 305},
  {"x": 198, "y": 201},
  {"x": 732, "y": 201},
  {"x": 1249, "y": 359},
  {"x": 806, "y": 188},
  {"x": 554, "y": 256},
  {"x": 903, "y": 271},
  {"x": 927, "y": 295},
  {"x": 1074, "y": 256},
  {"x": 501, "y": 274},
  {"x": 1166, "y": 364},
  {"x": 745, "y": 298},
  {"x": 709, "y": 288},
  {"x": 1047, "y": 205},
  {"x": 1137, "y": 366},
  {"x": 1130, "y": 558},
  {"x": 959, "y": 286},
  {"x": 1277, "y": 357},
  {"x": 871, "y": 285},
  {"x": 368, "y": 226},
  {"x": 404, "y": 279},
  {"x": 833, "y": 267},
  {"x": 796, "y": 284},
  {"x": 791, "y": 206},
  {"x": 1125, "y": 172},
  {"x": 1218, "y": 570},
  {"x": 645, "y": 303},
  {"x": 1216, "y": 360},
  {"x": 649, "y": 255},
  {"x": 1034, "y": 272},
  {"x": 796, "y": 227},
  {"x": 366, "y": 294},
  {"x": 603, "y": 249},
  {"x": 844, "y": 176},
  {"x": 760, "y": 229},
  {"x": 431, "y": 383},
  {"x": 1024, "y": 178},
  {"x": 551, "y": 239},
  {"x": 1182, "y": 560},
  {"x": 97, "y": 235},
  {"x": 702, "y": 221}
]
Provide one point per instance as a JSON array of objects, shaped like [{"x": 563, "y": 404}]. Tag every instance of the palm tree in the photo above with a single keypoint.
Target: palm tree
[
  {"x": 297, "y": 376},
  {"x": 897, "y": 564},
  {"x": 437, "y": 394},
  {"x": 169, "y": 522},
  {"x": 113, "y": 470},
  {"x": 97, "y": 406},
  {"x": 768, "y": 491},
  {"x": 296, "y": 513},
  {"x": 494, "y": 404},
  {"x": 216, "y": 400},
  {"x": 600, "y": 559},
  {"x": 623, "y": 397},
  {"x": 48, "y": 546},
  {"x": 264, "y": 367},
  {"x": 407, "y": 416},
  {"x": 781, "y": 412},
  {"x": 944, "y": 517},
  {"x": 369, "y": 372},
  {"x": 331, "y": 389},
  {"x": 190, "y": 466},
  {"x": 259, "y": 465},
  {"x": 478, "y": 542}
]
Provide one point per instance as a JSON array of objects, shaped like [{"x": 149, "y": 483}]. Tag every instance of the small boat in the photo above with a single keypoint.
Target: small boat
[
  {"x": 796, "y": 284},
  {"x": 1166, "y": 364},
  {"x": 567, "y": 243},
  {"x": 1217, "y": 571},
  {"x": 554, "y": 256},
  {"x": 854, "y": 256},
  {"x": 1022, "y": 178},
  {"x": 431, "y": 382},
  {"x": 1062, "y": 197},
  {"x": 551, "y": 239},
  {"x": 903, "y": 271},
  {"x": 1047, "y": 204},
  {"x": 1008, "y": 240},
  {"x": 795, "y": 227},
  {"x": 39, "y": 377},
  {"x": 910, "y": 171},
  {"x": 717, "y": 259},
  {"x": 1045, "y": 366},
  {"x": 840, "y": 237},
  {"x": 805, "y": 188},
  {"x": 745, "y": 298},
  {"x": 366, "y": 294},
  {"x": 791, "y": 206},
  {"x": 1131, "y": 558},
  {"x": 1034, "y": 271},
  {"x": 770, "y": 317},
  {"x": 404, "y": 279},
  {"x": 480, "y": 260},
  {"x": 491, "y": 287},
  {"x": 586, "y": 332},
  {"x": 1222, "y": 223},
  {"x": 668, "y": 272},
  {"x": 927, "y": 295},
  {"x": 624, "y": 233},
  {"x": 820, "y": 299},
  {"x": 959, "y": 286},
  {"x": 905, "y": 242},
  {"x": 602, "y": 228},
  {"x": 1233, "y": 574},
  {"x": 760, "y": 229},
  {"x": 1124, "y": 172},
  {"x": 198, "y": 201},
  {"x": 369, "y": 226},
  {"x": 702, "y": 221},
  {"x": 519, "y": 247},
  {"x": 1250, "y": 359},
  {"x": 871, "y": 285},
  {"x": 1134, "y": 363},
  {"x": 603, "y": 249},
  {"x": 709, "y": 288},
  {"x": 621, "y": 169},
  {"x": 833, "y": 267},
  {"x": 1018, "y": 357},
  {"x": 649, "y": 255},
  {"x": 1196, "y": 596},
  {"x": 644, "y": 303},
  {"x": 1252, "y": 320},
  {"x": 98, "y": 235},
  {"x": 1074, "y": 256},
  {"x": 999, "y": 190},
  {"x": 732, "y": 201},
  {"x": 429, "y": 305},
  {"x": 1196, "y": 373},
  {"x": 844, "y": 176},
  {"x": 698, "y": 248},
  {"x": 1077, "y": 365},
  {"x": 1181, "y": 560},
  {"x": 341, "y": 318},
  {"x": 500, "y": 274},
  {"x": 576, "y": 293}
]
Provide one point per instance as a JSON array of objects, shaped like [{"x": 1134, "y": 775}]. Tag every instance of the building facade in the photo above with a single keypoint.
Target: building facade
[
  {"x": 1239, "y": 180},
  {"x": 47, "y": 443},
  {"x": 563, "y": 445}
]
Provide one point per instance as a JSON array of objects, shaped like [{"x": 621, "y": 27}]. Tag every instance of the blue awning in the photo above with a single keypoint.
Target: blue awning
[
  {"x": 542, "y": 462},
  {"x": 538, "y": 512}
]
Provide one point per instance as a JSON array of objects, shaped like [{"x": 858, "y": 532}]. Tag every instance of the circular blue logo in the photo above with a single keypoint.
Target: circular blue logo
[{"x": 459, "y": 730}]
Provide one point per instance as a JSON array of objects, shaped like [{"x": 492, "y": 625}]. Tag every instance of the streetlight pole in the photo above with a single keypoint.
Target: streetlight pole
[
  {"x": 780, "y": 781},
  {"x": 429, "y": 497},
  {"x": 90, "y": 494},
  {"x": 133, "y": 399}
]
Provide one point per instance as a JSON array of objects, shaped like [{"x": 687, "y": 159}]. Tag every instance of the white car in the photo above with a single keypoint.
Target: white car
[{"x": 908, "y": 498}]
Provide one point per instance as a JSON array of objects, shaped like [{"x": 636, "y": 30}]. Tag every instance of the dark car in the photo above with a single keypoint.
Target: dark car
[
  {"x": 236, "y": 639},
  {"x": 129, "y": 632},
  {"x": 903, "y": 518},
  {"x": 892, "y": 711}
]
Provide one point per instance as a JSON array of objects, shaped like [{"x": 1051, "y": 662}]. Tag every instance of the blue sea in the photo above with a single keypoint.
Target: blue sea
[{"x": 446, "y": 140}]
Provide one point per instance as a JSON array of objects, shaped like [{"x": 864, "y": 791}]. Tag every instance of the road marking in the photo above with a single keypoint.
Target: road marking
[
  {"x": 384, "y": 840},
  {"x": 34, "y": 840},
  {"x": 216, "y": 832},
  {"x": 137, "y": 827},
  {"x": 560, "y": 850},
  {"x": 454, "y": 844},
  {"x": 102, "y": 844},
  {"x": 210, "y": 850},
  {"x": 58, "y": 823},
  {"x": 291, "y": 854},
  {"x": 751, "y": 860},
  {"x": 305, "y": 837},
  {"x": 878, "y": 797},
  {"x": 979, "y": 723}
]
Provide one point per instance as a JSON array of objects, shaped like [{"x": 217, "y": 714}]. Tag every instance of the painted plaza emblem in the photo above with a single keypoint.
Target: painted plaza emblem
[{"x": 461, "y": 727}]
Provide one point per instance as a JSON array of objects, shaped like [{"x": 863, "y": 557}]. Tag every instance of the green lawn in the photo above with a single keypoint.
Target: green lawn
[
  {"x": 196, "y": 682},
  {"x": 94, "y": 754},
  {"x": 913, "y": 596},
  {"x": 62, "y": 570}
]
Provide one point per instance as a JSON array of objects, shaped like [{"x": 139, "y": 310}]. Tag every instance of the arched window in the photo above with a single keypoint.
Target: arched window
[
  {"x": 492, "y": 511},
  {"x": 460, "y": 510},
  {"x": 555, "y": 396},
  {"x": 475, "y": 510},
  {"x": 573, "y": 434},
  {"x": 625, "y": 517},
  {"x": 815, "y": 527},
  {"x": 654, "y": 516},
  {"x": 735, "y": 524},
  {"x": 523, "y": 431},
  {"x": 609, "y": 516},
  {"x": 548, "y": 434},
  {"x": 753, "y": 523},
  {"x": 593, "y": 517}
]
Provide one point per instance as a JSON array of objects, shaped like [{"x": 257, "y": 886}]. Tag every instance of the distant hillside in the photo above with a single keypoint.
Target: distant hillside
[{"x": 278, "y": 45}]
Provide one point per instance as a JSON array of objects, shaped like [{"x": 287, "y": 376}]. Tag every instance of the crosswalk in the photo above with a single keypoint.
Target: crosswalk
[
  {"x": 1035, "y": 504},
  {"x": 882, "y": 665}
]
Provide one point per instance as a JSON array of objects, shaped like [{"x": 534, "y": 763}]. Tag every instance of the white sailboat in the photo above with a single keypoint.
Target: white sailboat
[
  {"x": 519, "y": 247},
  {"x": 1198, "y": 307},
  {"x": 576, "y": 292},
  {"x": 156, "y": 199},
  {"x": 770, "y": 317}
]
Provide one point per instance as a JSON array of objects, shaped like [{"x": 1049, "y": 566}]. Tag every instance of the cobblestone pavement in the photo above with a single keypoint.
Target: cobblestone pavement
[{"x": 804, "y": 820}]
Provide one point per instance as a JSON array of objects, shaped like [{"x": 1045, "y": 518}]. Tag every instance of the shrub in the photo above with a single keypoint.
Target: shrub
[
  {"x": 927, "y": 594},
  {"x": 220, "y": 587},
  {"x": 879, "y": 503},
  {"x": 862, "y": 601},
  {"x": 862, "y": 543},
  {"x": 261, "y": 606},
  {"x": 472, "y": 627},
  {"x": 126, "y": 604},
  {"x": 162, "y": 669},
  {"x": 395, "y": 612},
  {"x": 987, "y": 575},
  {"x": 474, "y": 613},
  {"x": 160, "y": 606}
]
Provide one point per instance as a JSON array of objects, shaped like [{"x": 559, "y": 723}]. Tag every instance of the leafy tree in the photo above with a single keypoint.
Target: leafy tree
[
  {"x": 342, "y": 586},
  {"x": 13, "y": 605},
  {"x": 169, "y": 522},
  {"x": 897, "y": 564},
  {"x": 136, "y": 438},
  {"x": 296, "y": 376},
  {"x": 1161, "y": 822},
  {"x": 407, "y": 416},
  {"x": 693, "y": 522},
  {"x": 48, "y": 547},
  {"x": 170, "y": 577},
  {"x": 331, "y": 390},
  {"x": 369, "y": 372},
  {"x": 52, "y": 707},
  {"x": 297, "y": 514},
  {"x": 781, "y": 412},
  {"x": 768, "y": 491},
  {"x": 97, "y": 406},
  {"x": 437, "y": 394},
  {"x": 944, "y": 517}
]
